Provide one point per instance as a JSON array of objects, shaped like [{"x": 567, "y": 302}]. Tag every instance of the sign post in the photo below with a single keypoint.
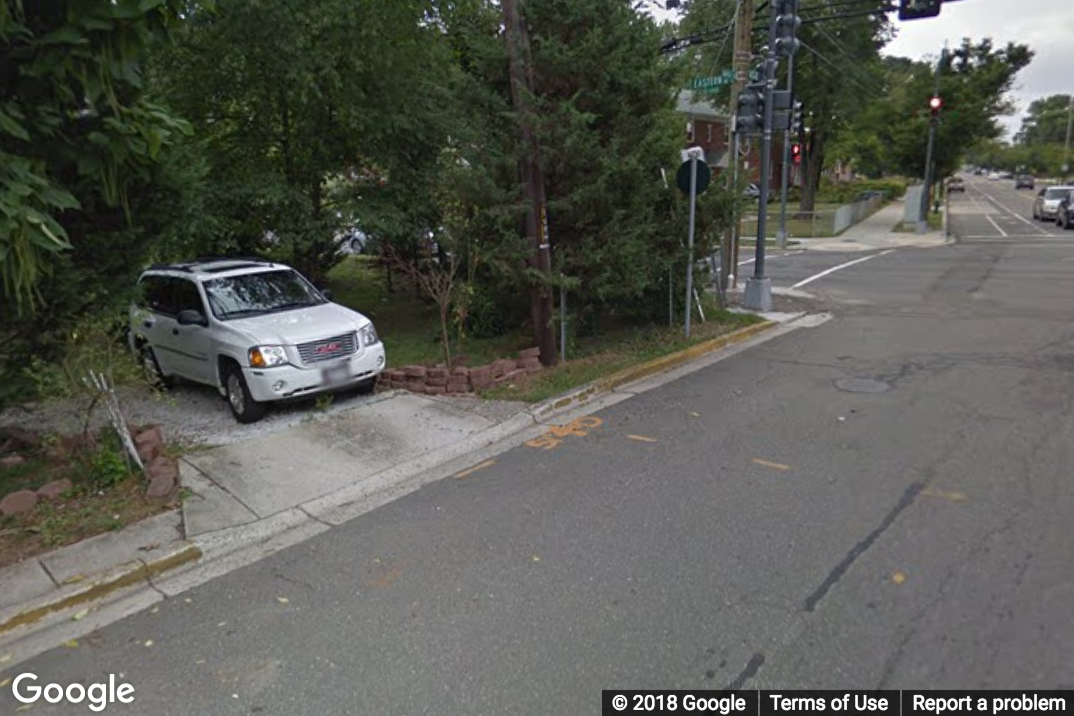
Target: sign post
[{"x": 693, "y": 178}]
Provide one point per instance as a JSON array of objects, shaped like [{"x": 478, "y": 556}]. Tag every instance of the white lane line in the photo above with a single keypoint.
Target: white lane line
[
  {"x": 767, "y": 257},
  {"x": 993, "y": 237},
  {"x": 993, "y": 222},
  {"x": 840, "y": 267},
  {"x": 1010, "y": 211}
]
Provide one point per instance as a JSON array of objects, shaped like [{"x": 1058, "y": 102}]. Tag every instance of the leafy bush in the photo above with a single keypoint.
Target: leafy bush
[
  {"x": 845, "y": 193},
  {"x": 107, "y": 466},
  {"x": 492, "y": 313}
]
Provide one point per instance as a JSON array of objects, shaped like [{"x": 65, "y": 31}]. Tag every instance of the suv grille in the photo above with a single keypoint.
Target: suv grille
[{"x": 329, "y": 348}]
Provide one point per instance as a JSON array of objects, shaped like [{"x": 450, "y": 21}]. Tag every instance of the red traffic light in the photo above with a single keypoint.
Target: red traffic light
[
  {"x": 935, "y": 104},
  {"x": 796, "y": 153}
]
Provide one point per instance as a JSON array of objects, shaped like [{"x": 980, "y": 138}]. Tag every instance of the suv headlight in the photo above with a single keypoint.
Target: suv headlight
[
  {"x": 267, "y": 356},
  {"x": 369, "y": 336}
]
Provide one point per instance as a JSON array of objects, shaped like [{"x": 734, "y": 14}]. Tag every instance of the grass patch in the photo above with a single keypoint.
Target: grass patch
[
  {"x": 105, "y": 496},
  {"x": 29, "y": 475},
  {"x": 410, "y": 330},
  {"x": 408, "y": 325},
  {"x": 614, "y": 351},
  {"x": 769, "y": 245}
]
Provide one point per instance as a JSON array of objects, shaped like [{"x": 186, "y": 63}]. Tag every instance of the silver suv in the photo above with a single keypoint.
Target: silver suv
[{"x": 256, "y": 331}]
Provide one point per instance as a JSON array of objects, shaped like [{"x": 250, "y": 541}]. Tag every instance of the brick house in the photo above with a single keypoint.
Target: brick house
[{"x": 707, "y": 127}]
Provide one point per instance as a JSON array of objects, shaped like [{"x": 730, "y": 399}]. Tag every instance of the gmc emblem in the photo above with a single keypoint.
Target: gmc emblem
[{"x": 326, "y": 348}]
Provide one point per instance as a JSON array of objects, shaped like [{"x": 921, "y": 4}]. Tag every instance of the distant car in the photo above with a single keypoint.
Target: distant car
[
  {"x": 955, "y": 184},
  {"x": 978, "y": 172},
  {"x": 994, "y": 176},
  {"x": 1064, "y": 214},
  {"x": 1046, "y": 205},
  {"x": 1024, "y": 181},
  {"x": 752, "y": 191},
  {"x": 353, "y": 241},
  {"x": 1006, "y": 175}
]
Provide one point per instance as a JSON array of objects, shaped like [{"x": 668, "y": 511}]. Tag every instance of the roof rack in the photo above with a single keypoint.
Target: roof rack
[
  {"x": 214, "y": 259},
  {"x": 170, "y": 267}
]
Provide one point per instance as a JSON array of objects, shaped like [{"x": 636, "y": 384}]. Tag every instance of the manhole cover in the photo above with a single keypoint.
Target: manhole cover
[{"x": 862, "y": 385}]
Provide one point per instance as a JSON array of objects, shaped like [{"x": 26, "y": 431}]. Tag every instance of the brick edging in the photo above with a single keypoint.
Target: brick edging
[{"x": 460, "y": 380}]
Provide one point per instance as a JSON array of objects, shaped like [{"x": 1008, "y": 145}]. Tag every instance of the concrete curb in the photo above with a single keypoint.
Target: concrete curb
[
  {"x": 95, "y": 587},
  {"x": 587, "y": 393}
]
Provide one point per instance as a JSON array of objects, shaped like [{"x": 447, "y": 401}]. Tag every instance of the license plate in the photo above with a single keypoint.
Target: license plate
[{"x": 333, "y": 374}]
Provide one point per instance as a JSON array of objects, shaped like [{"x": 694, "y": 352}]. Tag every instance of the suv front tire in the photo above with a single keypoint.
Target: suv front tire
[{"x": 242, "y": 404}]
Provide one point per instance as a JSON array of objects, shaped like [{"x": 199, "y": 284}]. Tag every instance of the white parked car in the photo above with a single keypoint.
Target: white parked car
[
  {"x": 256, "y": 331},
  {"x": 1046, "y": 204}
]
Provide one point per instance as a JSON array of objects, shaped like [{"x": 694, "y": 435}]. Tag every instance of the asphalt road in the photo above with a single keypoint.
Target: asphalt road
[
  {"x": 991, "y": 211},
  {"x": 760, "y": 523}
]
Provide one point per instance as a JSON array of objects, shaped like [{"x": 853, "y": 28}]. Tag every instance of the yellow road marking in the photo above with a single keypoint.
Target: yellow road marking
[
  {"x": 773, "y": 465},
  {"x": 642, "y": 438},
  {"x": 475, "y": 468},
  {"x": 953, "y": 496}
]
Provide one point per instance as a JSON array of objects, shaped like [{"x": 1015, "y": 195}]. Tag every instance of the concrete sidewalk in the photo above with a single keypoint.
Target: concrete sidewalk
[
  {"x": 252, "y": 480},
  {"x": 875, "y": 232},
  {"x": 82, "y": 572}
]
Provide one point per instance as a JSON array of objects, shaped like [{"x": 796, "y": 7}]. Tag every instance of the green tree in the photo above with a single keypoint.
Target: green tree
[
  {"x": 838, "y": 71},
  {"x": 77, "y": 135},
  {"x": 311, "y": 115},
  {"x": 974, "y": 82},
  {"x": 87, "y": 166},
  {"x": 607, "y": 126},
  {"x": 1046, "y": 121}
]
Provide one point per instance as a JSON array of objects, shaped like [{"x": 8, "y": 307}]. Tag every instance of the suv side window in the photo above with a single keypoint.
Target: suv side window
[
  {"x": 187, "y": 297},
  {"x": 157, "y": 294}
]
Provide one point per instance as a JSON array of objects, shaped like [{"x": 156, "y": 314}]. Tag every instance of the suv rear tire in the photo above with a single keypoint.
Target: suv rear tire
[
  {"x": 151, "y": 369},
  {"x": 242, "y": 404}
]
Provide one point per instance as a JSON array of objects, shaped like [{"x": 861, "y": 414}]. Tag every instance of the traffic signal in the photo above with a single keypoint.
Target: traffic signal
[
  {"x": 935, "y": 105},
  {"x": 787, "y": 24},
  {"x": 796, "y": 153},
  {"x": 749, "y": 117},
  {"x": 917, "y": 9},
  {"x": 798, "y": 119}
]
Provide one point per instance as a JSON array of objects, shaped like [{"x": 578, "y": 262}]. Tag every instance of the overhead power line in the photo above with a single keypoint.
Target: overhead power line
[{"x": 842, "y": 73}]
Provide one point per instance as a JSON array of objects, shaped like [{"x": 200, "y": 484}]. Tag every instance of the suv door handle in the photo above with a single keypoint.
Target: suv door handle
[
  {"x": 147, "y": 324},
  {"x": 175, "y": 331}
]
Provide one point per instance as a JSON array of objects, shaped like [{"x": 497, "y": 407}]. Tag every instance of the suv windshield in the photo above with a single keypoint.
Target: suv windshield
[
  {"x": 1056, "y": 193},
  {"x": 258, "y": 293}
]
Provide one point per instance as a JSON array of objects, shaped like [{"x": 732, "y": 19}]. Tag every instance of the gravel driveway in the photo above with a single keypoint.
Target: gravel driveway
[{"x": 190, "y": 413}]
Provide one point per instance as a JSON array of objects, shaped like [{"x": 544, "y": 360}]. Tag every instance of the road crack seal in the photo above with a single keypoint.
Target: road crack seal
[
  {"x": 752, "y": 667},
  {"x": 861, "y": 547}
]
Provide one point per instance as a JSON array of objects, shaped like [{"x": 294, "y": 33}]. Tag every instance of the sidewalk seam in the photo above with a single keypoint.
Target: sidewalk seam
[
  {"x": 315, "y": 518},
  {"x": 49, "y": 573},
  {"x": 228, "y": 492}
]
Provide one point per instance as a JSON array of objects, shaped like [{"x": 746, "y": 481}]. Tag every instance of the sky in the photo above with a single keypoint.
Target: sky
[{"x": 1047, "y": 26}]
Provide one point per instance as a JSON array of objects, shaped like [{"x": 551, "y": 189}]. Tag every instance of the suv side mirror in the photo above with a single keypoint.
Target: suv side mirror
[
  {"x": 192, "y": 318},
  {"x": 327, "y": 293}
]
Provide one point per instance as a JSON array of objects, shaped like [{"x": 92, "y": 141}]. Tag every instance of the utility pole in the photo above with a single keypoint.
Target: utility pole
[
  {"x": 743, "y": 55},
  {"x": 781, "y": 237},
  {"x": 758, "y": 294},
  {"x": 782, "y": 25},
  {"x": 536, "y": 218},
  {"x": 926, "y": 190},
  {"x": 1066, "y": 148}
]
